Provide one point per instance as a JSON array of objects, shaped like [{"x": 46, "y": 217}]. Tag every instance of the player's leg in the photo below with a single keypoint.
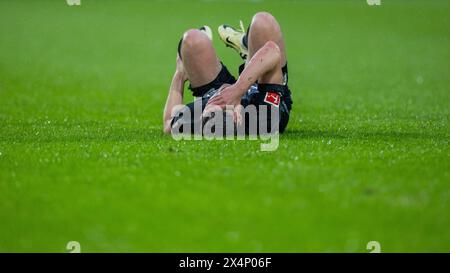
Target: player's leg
[
  {"x": 264, "y": 28},
  {"x": 199, "y": 58},
  {"x": 205, "y": 73},
  {"x": 272, "y": 85},
  {"x": 204, "y": 69}
]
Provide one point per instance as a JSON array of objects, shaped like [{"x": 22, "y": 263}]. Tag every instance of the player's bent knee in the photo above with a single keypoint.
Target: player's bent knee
[
  {"x": 264, "y": 21},
  {"x": 194, "y": 38},
  {"x": 263, "y": 15}
]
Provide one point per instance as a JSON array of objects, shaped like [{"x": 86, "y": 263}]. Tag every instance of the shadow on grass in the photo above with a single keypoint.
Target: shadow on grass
[
  {"x": 122, "y": 132},
  {"x": 360, "y": 134}
]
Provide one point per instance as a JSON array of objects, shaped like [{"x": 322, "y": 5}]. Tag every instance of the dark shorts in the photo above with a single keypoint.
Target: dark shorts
[{"x": 270, "y": 95}]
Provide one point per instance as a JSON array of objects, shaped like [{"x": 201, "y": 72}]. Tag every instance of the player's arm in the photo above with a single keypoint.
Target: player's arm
[
  {"x": 175, "y": 98},
  {"x": 262, "y": 63}
]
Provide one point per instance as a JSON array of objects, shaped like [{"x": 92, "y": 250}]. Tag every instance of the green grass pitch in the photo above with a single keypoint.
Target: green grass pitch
[{"x": 83, "y": 157}]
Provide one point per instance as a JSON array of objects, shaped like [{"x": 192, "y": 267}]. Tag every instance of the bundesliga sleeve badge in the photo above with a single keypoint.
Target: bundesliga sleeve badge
[{"x": 272, "y": 98}]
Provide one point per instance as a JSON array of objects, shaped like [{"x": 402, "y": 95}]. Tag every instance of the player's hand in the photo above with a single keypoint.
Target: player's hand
[
  {"x": 180, "y": 69},
  {"x": 229, "y": 96}
]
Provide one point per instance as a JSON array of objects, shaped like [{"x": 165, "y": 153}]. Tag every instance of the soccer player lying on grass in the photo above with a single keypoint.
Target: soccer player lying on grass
[{"x": 262, "y": 81}]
